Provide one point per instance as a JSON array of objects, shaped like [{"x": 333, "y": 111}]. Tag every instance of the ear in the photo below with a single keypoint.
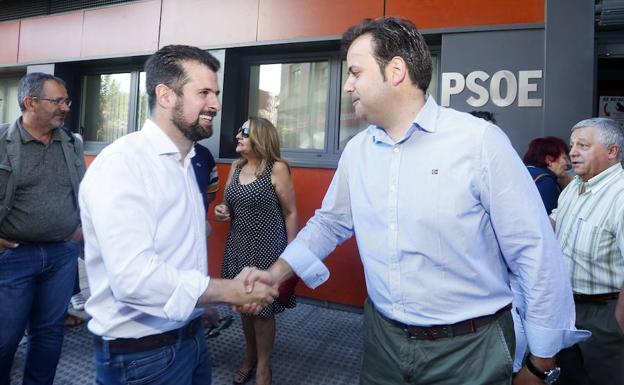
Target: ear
[
  {"x": 549, "y": 159},
  {"x": 165, "y": 97},
  {"x": 613, "y": 151},
  {"x": 396, "y": 71},
  {"x": 29, "y": 103}
]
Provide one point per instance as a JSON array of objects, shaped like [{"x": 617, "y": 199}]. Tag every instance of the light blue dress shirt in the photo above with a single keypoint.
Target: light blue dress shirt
[{"x": 439, "y": 216}]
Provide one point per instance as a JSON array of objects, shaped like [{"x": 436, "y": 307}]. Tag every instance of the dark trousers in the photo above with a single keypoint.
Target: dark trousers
[
  {"x": 598, "y": 360},
  {"x": 36, "y": 282},
  {"x": 390, "y": 357}
]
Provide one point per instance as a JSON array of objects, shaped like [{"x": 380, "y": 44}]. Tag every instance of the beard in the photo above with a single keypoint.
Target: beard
[{"x": 192, "y": 131}]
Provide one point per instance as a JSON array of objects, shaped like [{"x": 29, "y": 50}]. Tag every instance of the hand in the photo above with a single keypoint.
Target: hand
[
  {"x": 210, "y": 317},
  {"x": 619, "y": 310},
  {"x": 222, "y": 212},
  {"x": 76, "y": 235},
  {"x": 8, "y": 244},
  {"x": 256, "y": 283},
  {"x": 251, "y": 275},
  {"x": 525, "y": 377}
]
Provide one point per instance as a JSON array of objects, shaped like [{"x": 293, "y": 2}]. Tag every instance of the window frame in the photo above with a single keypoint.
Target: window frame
[
  {"x": 241, "y": 62},
  {"x": 299, "y": 157},
  {"x": 92, "y": 146}
]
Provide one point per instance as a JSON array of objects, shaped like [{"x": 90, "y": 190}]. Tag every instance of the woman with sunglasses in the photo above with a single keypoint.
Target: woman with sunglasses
[{"x": 259, "y": 200}]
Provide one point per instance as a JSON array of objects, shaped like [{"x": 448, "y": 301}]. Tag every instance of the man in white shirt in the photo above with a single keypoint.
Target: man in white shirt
[
  {"x": 441, "y": 207},
  {"x": 145, "y": 240}
]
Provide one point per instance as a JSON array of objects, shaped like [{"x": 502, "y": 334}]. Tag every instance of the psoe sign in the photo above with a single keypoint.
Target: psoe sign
[{"x": 454, "y": 83}]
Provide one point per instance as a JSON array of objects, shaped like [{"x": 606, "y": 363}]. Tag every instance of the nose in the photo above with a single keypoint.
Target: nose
[
  {"x": 213, "y": 103},
  {"x": 64, "y": 107},
  {"x": 348, "y": 86}
]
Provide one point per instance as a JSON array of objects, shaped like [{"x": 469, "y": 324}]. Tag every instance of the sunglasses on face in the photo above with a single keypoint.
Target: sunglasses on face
[{"x": 244, "y": 131}]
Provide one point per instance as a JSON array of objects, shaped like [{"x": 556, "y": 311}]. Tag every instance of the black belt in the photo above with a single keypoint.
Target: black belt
[
  {"x": 448, "y": 331},
  {"x": 595, "y": 298},
  {"x": 133, "y": 345}
]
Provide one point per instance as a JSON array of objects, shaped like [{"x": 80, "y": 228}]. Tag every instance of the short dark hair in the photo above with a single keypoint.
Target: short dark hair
[
  {"x": 32, "y": 85},
  {"x": 392, "y": 37},
  {"x": 165, "y": 67},
  {"x": 485, "y": 115},
  {"x": 540, "y": 148}
]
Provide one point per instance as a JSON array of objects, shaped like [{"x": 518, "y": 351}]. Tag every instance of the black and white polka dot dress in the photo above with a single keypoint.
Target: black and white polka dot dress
[{"x": 257, "y": 234}]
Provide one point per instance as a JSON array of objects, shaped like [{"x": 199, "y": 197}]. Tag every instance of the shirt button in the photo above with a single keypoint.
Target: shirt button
[
  {"x": 396, "y": 150},
  {"x": 392, "y": 227}
]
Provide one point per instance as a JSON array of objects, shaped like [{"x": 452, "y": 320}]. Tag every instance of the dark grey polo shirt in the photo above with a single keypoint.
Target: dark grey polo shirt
[{"x": 43, "y": 208}]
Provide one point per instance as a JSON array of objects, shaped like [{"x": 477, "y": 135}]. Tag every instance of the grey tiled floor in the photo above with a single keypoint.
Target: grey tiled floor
[{"x": 314, "y": 346}]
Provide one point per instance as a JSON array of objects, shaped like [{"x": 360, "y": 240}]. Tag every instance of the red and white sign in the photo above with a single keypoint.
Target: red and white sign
[{"x": 612, "y": 107}]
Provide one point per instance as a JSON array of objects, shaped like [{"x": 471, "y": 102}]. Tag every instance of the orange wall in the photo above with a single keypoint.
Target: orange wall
[
  {"x": 143, "y": 26},
  {"x": 346, "y": 283},
  {"x": 465, "y": 13}
]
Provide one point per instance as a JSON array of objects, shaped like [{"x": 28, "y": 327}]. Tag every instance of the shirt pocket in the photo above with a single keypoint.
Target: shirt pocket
[{"x": 587, "y": 237}]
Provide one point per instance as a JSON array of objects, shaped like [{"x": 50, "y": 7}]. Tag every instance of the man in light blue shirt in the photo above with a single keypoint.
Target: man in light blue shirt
[{"x": 441, "y": 207}]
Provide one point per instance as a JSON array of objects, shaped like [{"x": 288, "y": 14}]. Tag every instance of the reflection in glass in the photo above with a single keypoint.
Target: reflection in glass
[
  {"x": 105, "y": 112},
  {"x": 294, "y": 97},
  {"x": 9, "y": 108},
  {"x": 143, "y": 112},
  {"x": 350, "y": 124}
]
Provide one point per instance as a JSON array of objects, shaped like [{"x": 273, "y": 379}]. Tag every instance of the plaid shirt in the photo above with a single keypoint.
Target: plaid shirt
[{"x": 590, "y": 228}]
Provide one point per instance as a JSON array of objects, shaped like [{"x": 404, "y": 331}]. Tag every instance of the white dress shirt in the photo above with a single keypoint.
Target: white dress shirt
[
  {"x": 439, "y": 216},
  {"x": 144, "y": 229}
]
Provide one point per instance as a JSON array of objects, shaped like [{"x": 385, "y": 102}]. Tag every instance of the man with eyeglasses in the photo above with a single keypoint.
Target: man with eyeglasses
[{"x": 41, "y": 164}]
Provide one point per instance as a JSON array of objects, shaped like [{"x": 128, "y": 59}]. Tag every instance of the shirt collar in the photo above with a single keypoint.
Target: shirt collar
[
  {"x": 601, "y": 180},
  {"x": 161, "y": 143},
  {"x": 426, "y": 120}
]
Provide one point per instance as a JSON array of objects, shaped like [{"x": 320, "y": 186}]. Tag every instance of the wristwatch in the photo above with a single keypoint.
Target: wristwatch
[{"x": 548, "y": 376}]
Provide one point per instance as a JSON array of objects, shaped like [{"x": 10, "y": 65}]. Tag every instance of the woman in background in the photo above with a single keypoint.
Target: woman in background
[
  {"x": 547, "y": 160},
  {"x": 259, "y": 200}
]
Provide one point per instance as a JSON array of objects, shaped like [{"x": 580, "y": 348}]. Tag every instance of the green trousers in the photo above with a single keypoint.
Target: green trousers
[{"x": 391, "y": 357}]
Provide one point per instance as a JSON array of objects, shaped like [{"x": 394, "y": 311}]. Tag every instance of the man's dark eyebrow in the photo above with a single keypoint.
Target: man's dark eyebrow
[{"x": 208, "y": 89}]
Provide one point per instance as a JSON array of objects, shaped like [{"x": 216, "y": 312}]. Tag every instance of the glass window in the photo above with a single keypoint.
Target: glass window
[
  {"x": 294, "y": 97},
  {"x": 300, "y": 89},
  {"x": 143, "y": 111},
  {"x": 105, "y": 106},
  {"x": 9, "y": 107},
  {"x": 350, "y": 124}
]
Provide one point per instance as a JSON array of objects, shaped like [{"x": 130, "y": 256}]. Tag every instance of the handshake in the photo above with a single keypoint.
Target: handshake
[
  {"x": 260, "y": 289},
  {"x": 250, "y": 291}
]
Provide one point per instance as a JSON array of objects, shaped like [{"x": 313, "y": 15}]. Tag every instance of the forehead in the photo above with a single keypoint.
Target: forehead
[
  {"x": 360, "y": 49},
  {"x": 53, "y": 89},
  {"x": 584, "y": 133},
  {"x": 200, "y": 76}
]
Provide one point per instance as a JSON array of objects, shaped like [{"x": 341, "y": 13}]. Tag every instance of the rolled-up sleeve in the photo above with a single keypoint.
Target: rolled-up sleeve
[{"x": 122, "y": 222}]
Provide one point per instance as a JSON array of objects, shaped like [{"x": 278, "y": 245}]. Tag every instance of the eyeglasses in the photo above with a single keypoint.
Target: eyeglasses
[
  {"x": 56, "y": 102},
  {"x": 244, "y": 131}
]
